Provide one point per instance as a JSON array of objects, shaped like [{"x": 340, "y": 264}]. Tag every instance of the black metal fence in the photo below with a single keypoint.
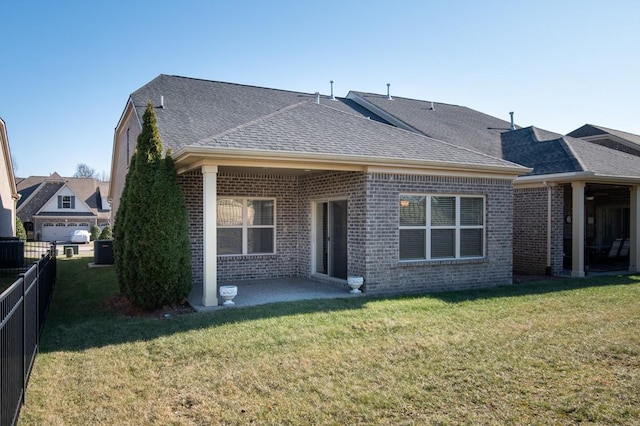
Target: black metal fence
[
  {"x": 17, "y": 256},
  {"x": 23, "y": 309}
]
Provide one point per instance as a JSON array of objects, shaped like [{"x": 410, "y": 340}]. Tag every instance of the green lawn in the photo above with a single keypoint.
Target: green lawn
[{"x": 549, "y": 352}]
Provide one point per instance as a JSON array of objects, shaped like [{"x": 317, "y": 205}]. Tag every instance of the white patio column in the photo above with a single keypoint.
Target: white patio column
[
  {"x": 577, "y": 239},
  {"x": 634, "y": 235},
  {"x": 210, "y": 247}
]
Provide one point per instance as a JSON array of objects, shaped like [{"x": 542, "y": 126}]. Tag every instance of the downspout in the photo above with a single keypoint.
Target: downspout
[{"x": 549, "y": 217}]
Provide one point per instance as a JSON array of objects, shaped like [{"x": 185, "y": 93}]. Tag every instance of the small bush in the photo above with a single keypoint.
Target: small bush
[
  {"x": 20, "y": 231},
  {"x": 106, "y": 233},
  {"x": 95, "y": 232}
]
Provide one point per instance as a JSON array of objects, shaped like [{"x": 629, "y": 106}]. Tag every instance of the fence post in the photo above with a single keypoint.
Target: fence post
[
  {"x": 22, "y": 277},
  {"x": 37, "y": 289}
]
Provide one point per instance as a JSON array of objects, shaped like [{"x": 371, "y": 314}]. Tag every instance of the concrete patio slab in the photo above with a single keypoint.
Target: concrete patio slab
[{"x": 258, "y": 292}]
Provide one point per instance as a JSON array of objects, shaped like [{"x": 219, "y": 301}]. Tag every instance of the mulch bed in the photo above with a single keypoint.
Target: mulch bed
[{"x": 122, "y": 306}]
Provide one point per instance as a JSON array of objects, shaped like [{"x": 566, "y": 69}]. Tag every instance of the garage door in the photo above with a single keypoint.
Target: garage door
[{"x": 61, "y": 231}]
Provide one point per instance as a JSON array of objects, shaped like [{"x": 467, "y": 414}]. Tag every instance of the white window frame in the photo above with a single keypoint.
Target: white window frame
[
  {"x": 66, "y": 201},
  {"x": 457, "y": 227},
  {"x": 245, "y": 225}
]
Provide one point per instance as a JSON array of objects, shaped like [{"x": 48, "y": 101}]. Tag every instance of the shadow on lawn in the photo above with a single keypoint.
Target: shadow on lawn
[
  {"x": 81, "y": 317},
  {"x": 536, "y": 286}
]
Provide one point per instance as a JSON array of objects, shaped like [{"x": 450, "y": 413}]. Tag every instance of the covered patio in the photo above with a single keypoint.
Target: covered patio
[
  {"x": 259, "y": 292},
  {"x": 602, "y": 223}
]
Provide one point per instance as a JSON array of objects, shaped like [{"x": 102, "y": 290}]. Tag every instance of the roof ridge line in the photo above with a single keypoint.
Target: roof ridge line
[
  {"x": 229, "y": 83},
  {"x": 409, "y": 99},
  {"x": 249, "y": 123},
  {"x": 572, "y": 152}
]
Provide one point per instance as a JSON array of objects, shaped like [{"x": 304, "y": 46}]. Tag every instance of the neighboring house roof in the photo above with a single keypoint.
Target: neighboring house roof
[
  {"x": 617, "y": 139},
  {"x": 200, "y": 117},
  {"x": 552, "y": 153},
  {"x": 37, "y": 191},
  {"x": 546, "y": 152},
  {"x": 455, "y": 124}
]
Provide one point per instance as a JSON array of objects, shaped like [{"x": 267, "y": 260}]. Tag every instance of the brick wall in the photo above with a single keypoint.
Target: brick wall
[
  {"x": 191, "y": 184},
  {"x": 283, "y": 188},
  {"x": 336, "y": 185},
  {"x": 372, "y": 234},
  {"x": 530, "y": 230},
  {"x": 285, "y": 261},
  {"x": 385, "y": 274}
]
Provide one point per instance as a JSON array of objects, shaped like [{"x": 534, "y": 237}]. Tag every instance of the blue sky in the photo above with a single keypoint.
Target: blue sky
[{"x": 69, "y": 66}]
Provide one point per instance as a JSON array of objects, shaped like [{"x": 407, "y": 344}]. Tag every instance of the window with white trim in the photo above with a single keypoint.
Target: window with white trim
[
  {"x": 246, "y": 225},
  {"x": 66, "y": 202},
  {"x": 441, "y": 227}
]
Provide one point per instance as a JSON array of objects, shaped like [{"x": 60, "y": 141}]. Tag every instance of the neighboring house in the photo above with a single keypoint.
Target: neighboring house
[
  {"x": 53, "y": 207},
  {"x": 584, "y": 196},
  {"x": 616, "y": 139},
  {"x": 8, "y": 192},
  {"x": 579, "y": 198},
  {"x": 281, "y": 184}
]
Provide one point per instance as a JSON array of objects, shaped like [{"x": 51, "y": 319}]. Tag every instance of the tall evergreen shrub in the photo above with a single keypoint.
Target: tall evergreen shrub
[
  {"x": 169, "y": 273},
  {"x": 151, "y": 242}
]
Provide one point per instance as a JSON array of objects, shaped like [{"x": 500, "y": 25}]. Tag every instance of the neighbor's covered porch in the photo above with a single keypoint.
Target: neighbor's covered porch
[{"x": 601, "y": 226}]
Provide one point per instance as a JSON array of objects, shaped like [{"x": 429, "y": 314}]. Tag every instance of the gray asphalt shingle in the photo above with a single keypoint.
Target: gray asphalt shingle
[
  {"x": 209, "y": 113},
  {"x": 593, "y": 130},
  {"x": 455, "y": 124},
  {"x": 548, "y": 153}
]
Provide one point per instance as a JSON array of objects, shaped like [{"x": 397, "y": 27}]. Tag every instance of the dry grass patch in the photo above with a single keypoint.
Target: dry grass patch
[{"x": 546, "y": 353}]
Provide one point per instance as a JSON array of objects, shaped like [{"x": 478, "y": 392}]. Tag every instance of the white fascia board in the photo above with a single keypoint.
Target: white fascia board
[
  {"x": 353, "y": 162},
  {"x": 575, "y": 176},
  {"x": 74, "y": 217}
]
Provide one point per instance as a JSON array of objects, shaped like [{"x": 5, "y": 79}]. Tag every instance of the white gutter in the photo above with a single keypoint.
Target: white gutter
[
  {"x": 556, "y": 177},
  {"x": 186, "y": 152},
  {"x": 576, "y": 176}
]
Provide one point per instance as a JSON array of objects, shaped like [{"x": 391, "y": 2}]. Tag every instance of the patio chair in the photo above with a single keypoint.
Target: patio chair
[
  {"x": 624, "y": 250},
  {"x": 615, "y": 248}
]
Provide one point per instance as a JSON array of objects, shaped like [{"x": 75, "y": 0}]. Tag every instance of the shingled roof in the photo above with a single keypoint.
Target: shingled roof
[
  {"x": 307, "y": 127},
  {"x": 550, "y": 153},
  {"x": 195, "y": 109},
  {"x": 201, "y": 114},
  {"x": 616, "y": 139},
  {"x": 455, "y": 124},
  {"x": 36, "y": 191}
]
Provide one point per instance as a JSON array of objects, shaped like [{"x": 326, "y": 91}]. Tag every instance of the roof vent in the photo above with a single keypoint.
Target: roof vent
[
  {"x": 161, "y": 101},
  {"x": 317, "y": 97},
  {"x": 513, "y": 126},
  {"x": 332, "y": 97},
  {"x": 389, "y": 91},
  {"x": 432, "y": 107}
]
